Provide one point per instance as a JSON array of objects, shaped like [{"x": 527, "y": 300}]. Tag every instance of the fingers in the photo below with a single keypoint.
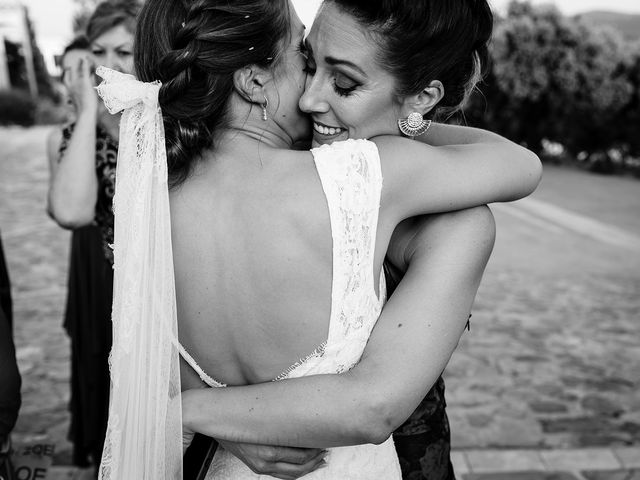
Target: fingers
[
  {"x": 297, "y": 456},
  {"x": 288, "y": 471},
  {"x": 80, "y": 70}
]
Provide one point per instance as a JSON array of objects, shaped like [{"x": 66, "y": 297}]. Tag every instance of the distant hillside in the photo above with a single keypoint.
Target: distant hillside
[{"x": 626, "y": 24}]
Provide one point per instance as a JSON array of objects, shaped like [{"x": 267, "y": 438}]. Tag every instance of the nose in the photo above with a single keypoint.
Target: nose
[
  {"x": 313, "y": 99},
  {"x": 113, "y": 62}
]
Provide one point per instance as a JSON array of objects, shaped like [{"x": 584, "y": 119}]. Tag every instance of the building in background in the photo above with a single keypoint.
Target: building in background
[{"x": 21, "y": 63}]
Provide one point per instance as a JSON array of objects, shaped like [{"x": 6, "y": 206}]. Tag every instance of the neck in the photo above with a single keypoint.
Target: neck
[
  {"x": 271, "y": 137},
  {"x": 246, "y": 120}
]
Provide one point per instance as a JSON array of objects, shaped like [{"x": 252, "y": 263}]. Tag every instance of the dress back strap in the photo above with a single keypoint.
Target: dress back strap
[
  {"x": 351, "y": 178},
  {"x": 193, "y": 364}
]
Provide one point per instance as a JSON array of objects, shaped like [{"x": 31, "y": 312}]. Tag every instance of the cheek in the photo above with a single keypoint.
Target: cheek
[
  {"x": 127, "y": 65},
  {"x": 369, "y": 117},
  {"x": 356, "y": 114}
]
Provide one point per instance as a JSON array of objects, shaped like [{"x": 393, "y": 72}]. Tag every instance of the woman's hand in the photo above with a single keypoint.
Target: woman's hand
[
  {"x": 81, "y": 87},
  {"x": 287, "y": 463}
]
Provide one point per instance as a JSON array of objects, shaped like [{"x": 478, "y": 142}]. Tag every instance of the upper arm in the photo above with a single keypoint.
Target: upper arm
[
  {"x": 421, "y": 323},
  {"x": 421, "y": 179}
]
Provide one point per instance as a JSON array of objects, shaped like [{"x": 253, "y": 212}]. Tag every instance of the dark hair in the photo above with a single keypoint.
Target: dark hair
[
  {"x": 194, "y": 51},
  {"x": 78, "y": 43},
  {"x": 425, "y": 40},
  {"x": 110, "y": 14}
]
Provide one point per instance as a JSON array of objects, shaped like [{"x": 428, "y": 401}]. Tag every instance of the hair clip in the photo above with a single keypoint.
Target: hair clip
[
  {"x": 247, "y": 16},
  {"x": 252, "y": 48}
]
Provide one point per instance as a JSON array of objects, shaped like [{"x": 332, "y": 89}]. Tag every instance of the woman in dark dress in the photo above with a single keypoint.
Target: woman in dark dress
[
  {"x": 83, "y": 165},
  {"x": 10, "y": 380},
  {"x": 423, "y": 442}
]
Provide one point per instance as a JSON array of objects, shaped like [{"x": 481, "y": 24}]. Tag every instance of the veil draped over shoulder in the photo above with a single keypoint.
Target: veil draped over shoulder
[{"x": 144, "y": 432}]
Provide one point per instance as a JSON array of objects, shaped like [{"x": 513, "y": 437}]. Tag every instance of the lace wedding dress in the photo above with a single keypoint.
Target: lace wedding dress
[
  {"x": 352, "y": 181},
  {"x": 144, "y": 433}
]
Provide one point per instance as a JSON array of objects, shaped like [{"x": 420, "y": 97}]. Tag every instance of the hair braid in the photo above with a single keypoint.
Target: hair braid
[{"x": 194, "y": 49}]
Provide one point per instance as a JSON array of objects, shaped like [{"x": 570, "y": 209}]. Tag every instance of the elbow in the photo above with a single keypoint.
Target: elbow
[
  {"x": 378, "y": 419},
  {"x": 70, "y": 217},
  {"x": 534, "y": 166}
]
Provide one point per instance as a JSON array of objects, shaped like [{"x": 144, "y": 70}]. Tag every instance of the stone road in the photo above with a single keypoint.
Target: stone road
[{"x": 552, "y": 360}]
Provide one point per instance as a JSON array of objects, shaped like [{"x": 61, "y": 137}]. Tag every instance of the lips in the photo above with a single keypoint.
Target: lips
[{"x": 326, "y": 130}]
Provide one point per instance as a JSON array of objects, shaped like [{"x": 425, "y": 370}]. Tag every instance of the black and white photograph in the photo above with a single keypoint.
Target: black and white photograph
[{"x": 320, "y": 239}]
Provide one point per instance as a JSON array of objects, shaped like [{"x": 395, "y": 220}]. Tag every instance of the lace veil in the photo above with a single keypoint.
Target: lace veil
[{"x": 144, "y": 432}]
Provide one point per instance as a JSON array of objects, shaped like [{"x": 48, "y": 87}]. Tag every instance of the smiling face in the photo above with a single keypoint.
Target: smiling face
[
  {"x": 114, "y": 49},
  {"x": 348, "y": 94}
]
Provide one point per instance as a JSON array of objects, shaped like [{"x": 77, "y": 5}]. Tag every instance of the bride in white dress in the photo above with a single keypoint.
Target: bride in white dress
[{"x": 278, "y": 253}]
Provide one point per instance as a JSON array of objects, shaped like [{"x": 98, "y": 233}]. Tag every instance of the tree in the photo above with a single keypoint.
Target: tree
[
  {"x": 43, "y": 79},
  {"x": 553, "y": 78}
]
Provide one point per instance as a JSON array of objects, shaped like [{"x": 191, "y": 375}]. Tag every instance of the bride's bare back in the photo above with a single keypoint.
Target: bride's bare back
[{"x": 253, "y": 260}]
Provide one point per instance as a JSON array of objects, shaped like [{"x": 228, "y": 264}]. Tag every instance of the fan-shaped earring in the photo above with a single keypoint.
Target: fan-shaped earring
[
  {"x": 414, "y": 125},
  {"x": 265, "y": 117}
]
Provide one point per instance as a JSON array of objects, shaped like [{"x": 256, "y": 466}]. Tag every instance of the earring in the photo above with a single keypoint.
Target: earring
[
  {"x": 264, "y": 109},
  {"x": 414, "y": 125}
]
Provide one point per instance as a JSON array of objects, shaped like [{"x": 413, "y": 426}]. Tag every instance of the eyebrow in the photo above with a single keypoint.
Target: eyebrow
[
  {"x": 336, "y": 61},
  {"x": 122, "y": 45}
]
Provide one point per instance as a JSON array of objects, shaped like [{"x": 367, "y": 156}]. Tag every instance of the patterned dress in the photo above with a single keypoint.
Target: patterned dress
[
  {"x": 106, "y": 156},
  {"x": 88, "y": 310}
]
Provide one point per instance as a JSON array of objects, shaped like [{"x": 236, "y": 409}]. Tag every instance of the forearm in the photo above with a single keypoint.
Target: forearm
[
  {"x": 441, "y": 134},
  {"x": 317, "y": 411},
  {"x": 73, "y": 187},
  {"x": 412, "y": 342}
]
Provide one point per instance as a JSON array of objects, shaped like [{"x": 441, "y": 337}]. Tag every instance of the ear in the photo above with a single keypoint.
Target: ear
[
  {"x": 249, "y": 83},
  {"x": 424, "y": 101}
]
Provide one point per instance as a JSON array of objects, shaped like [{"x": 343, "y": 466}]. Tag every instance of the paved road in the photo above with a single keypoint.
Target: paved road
[{"x": 553, "y": 356}]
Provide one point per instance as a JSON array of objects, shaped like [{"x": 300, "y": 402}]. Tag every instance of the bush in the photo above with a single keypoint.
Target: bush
[
  {"x": 553, "y": 79},
  {"x": 17, "y": 108}
]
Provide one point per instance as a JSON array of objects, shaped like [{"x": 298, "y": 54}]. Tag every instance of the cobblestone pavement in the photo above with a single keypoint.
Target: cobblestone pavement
[{"x": 552, "y": 360}]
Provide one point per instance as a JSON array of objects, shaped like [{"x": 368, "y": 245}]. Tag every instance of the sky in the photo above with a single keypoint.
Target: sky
[{"x": 52, "y": 18}]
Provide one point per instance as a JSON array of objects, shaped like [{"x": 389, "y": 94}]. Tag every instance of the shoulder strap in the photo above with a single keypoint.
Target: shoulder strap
[{"x": 351, "y": 177}]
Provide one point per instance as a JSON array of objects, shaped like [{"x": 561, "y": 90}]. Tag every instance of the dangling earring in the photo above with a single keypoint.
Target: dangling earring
[
  {"x": 264, "y": 109},
  {"x": 414, "y": 125}
]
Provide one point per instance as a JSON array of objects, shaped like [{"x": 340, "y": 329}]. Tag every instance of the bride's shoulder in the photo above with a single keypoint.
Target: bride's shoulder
[
  {"x": 344, "y": 153},
  {"x": 350, "y": 146}
]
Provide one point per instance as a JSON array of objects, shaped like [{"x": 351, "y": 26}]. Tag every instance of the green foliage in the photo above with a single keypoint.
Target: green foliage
[
  {"x": 554, "y": 78},
  {"x": 17, "y": 108}
]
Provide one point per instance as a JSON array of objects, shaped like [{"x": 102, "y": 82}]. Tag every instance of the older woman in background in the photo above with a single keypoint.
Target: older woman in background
[{"x": 82, "y": 159}]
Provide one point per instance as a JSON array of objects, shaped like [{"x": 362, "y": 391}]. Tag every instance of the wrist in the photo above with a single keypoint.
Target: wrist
[
  {"x": 189, "y": 409},
  {"x": 88, "y": 115}
]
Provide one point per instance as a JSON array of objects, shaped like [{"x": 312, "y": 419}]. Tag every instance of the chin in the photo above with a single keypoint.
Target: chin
[{"x": 320, "y": 139}]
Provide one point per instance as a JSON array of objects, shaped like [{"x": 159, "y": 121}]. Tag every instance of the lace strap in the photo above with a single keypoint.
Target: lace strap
[
  {"x": 351, "y": 178},
  {"x": 197, "y": 368}
]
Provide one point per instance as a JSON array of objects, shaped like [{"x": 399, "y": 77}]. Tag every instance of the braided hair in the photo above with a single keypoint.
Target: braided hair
[{"x": 194, "y": 47}]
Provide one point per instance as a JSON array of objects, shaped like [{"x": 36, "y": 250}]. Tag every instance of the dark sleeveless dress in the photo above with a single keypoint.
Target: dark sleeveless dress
[
  {"x": 423, "y": 442},
  {"x": 88, "y": 311}
]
